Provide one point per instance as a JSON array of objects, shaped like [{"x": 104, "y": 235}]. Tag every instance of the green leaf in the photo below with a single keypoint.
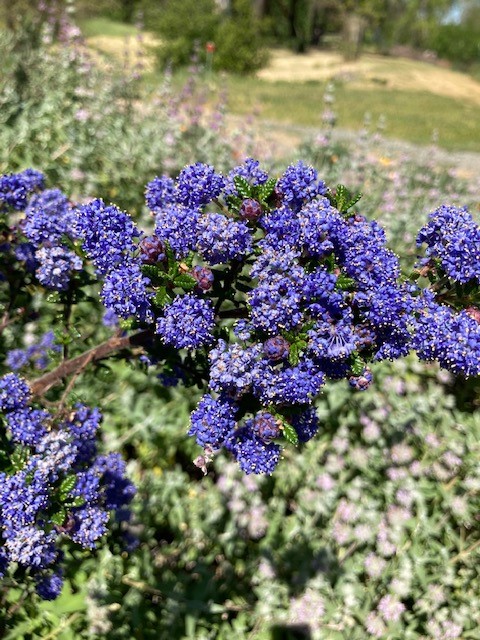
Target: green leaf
[
  {"x": 243, "y": 187},
  {"x": 344, "y": 283},
  {"x": 343, "y": 199},
  {"x": 58, "y": 518},
  {"x": 161, "y": 297},
  {"x": 266, "y": 190},
  {"x": 186, "y": 281},
  {"x": 294, "y": 355},
  {"x": 66, "y": 486},
  {"x": 357, "y": 364},
  {"x": 78, "y": 501},
  {"x": 290, "y": 434},
  {"x": 18, "y": 459}
]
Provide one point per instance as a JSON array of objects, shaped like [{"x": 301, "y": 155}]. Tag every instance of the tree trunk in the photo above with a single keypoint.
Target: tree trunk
[{"x": 353, "y": 30}]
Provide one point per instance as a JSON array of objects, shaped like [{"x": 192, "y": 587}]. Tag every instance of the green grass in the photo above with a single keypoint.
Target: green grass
[
  {"x": 105, "y": 27},
  {"x": 410, "y": 115}
]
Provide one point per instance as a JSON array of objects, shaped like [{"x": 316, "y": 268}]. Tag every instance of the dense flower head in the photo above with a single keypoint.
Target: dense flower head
[
  {"x": 14, "y": 392},
  {"x": 306, "y": 424},
  {"x": 48, "y": 217},
  {"x": 55, "y": 470},
  {"x": 198, "y": 184},
  {"x": 221, "y": 240},
  {"x": 56, "y": 265},
  {"x": 251, "y": 452},
  {"x": 266, "y": 426},
  {"x": 108, "y": 234},
  {"x": 276, "y": 348},
  {"x": 212, "y": 421},
  {"x": 453, "y": 238},
  {"x": 16, "y": 187},
  {"x": 232, "y": 367},
  {"x": 177, "y": 225},
  {"x": 188, "y": 322},
  {"x": 204, "y": 277},
  {"x": 125, "y": 292},
  {"x": 452, "y": 338},
  {"x": 27, "y": 425},
  {"x": 160, "y": 192},
  {"x": 250, "y": 170},
  {"x": 299, "y": 184}
]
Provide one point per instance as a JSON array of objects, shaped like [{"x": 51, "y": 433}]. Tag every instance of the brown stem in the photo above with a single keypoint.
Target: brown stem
[{"x": 77, "y": 364}]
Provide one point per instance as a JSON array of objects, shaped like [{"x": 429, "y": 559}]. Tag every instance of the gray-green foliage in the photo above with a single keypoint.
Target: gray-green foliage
[
  {"x": 81, "y": 122},
  {"x": 382, "y": 503}
]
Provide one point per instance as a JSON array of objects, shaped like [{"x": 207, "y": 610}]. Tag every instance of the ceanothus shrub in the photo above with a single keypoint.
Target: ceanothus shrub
[{"x": 256, "y": 290}]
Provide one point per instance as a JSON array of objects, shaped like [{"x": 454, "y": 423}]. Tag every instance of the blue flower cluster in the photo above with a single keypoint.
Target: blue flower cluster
[
  {"x": 38, "y": 353},
  {"x": 15, "y": 188},
  {"x": 453, "y": 239},
  {"x": 58, "y": 487},
  {"x": 262, "y": 291}
]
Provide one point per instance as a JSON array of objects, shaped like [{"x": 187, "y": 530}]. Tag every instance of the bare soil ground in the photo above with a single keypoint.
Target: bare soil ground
[{"x": 371, "y": 70}]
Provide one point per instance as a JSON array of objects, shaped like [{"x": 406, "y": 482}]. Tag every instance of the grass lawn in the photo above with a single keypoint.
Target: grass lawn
[
  {"x": 410, "y": 115},
  {"x": 93, "y": 27}
]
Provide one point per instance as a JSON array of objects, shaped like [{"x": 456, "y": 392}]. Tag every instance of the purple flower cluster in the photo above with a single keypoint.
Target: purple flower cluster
[
  {"x": 56, "y": 488},
  {"x": 37, "y": 353},
  {"x": 15, "y": 188},
  {"x": 314, "y": 290},
  {"x": 453, "y": 238}
]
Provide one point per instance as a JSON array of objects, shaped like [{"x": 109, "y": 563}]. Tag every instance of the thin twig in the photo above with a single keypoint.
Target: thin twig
[{"x": 75, "y": 365}]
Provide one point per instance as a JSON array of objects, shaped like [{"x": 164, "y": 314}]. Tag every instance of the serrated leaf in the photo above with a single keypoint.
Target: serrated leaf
[
  {"x": 186, "y": 281},
  {"x": 18, "y": 459},
  {"x": 294, "y": 355},
  {"x": 290, "y": 434},
  {"x": 161, "y": 297},
  {"x": 266, "y": 190},
  {"x": 58, "y": 518},
  {"x": 243, "y": 187},
  {"x": 78, "y": 501},
  {"x": 357, "y": 365},
  {"x": 344, "y": 283},
  {"x": 66, "y": 486}
]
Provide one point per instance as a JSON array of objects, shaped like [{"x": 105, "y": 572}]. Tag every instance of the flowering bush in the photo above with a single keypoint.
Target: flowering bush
[{"x": 258, "y": 291}]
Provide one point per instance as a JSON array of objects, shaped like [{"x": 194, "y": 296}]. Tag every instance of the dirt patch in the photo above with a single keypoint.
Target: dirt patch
[{"x": 371, "y": 71}]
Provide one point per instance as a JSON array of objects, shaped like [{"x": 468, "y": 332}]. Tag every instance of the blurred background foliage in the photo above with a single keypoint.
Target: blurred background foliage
[{"x": 382, "y": 507}]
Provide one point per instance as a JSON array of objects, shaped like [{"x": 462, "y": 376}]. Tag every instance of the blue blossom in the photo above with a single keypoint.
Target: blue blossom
[
  {"x": 177, "y": 225},
  {"x": 125, "y": 293},
  {"x": 212, "y": 421},
  {"x": 107, "y": 233},
  {"x": 48, "y": 216},
  {"x": 250, "y": 170},
  {"x": 198, "y": 184},
  {"x": 251, "y": 452},
  {"x": 90, "y": 526},
  {"x": 332, "y": 340},
  {"x": 275, "y": 303},
  {"x": 289, "y": 385},
  {"x": 160, "y": 193},
  {"x": 27, "y": 425},
  {"x": 453, "y": 237},
  {"x": 299, "y": 184},
  {"x": 14, "y": 392},
  {"x": 188, "y": 323},
  {"x": 31, "y": 547},
  {"x": 306, "y": 424},
  {"x": 363, "y": 381},
  {"x": 15, "y": 188},
  {"x": 220, "y": 240},
  {"x": 49, "y": 585},
  {"x": 25, "y": 252},
  {"x": 232, "y": 367},
  {"x": 452, "y": 338},
  {"x": 56, "y": 265}
]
